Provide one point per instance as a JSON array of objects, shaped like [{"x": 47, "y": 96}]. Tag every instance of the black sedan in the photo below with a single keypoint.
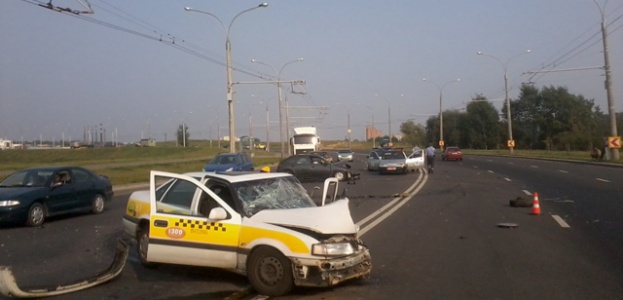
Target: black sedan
[
  {"x": 309, "y": 168},
  {"x": 32, "y": 195}
]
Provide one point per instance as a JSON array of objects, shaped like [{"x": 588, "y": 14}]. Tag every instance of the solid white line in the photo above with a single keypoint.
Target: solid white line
[
  {"x": 367, "y": 228},
  {"x": 560, "y": 221},
  {"x": 602, "y": 180}
]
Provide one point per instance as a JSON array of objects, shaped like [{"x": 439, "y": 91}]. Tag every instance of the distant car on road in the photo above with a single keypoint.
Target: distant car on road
[
  {"x": 226, "y": 162},
  {"x": 452, "y": 153},
  {"x": 345, "y": 155},
  {"x": 34, "y": 194},
  {"x": 307, "y": 167}
]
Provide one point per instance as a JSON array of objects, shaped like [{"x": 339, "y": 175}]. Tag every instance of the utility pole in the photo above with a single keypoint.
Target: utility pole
[{"x": 608, "y": 83}]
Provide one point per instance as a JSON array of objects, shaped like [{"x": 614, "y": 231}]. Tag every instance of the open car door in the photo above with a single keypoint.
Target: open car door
[{"x": 189, "y": 224}]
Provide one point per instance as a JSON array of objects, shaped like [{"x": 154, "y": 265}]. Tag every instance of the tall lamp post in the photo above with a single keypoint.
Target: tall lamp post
[
  {"x": 508, "y": 105},
  {"x": 278, "y": 74},
  {"x": 389, "y": 118},
  {"x": 608, "y": 83},
  {"x": 230, "y": 91},
  {"x": 441, "y": 87},
  {"x": 348, "y": 130},
  {"x": 373, "y": 129}
]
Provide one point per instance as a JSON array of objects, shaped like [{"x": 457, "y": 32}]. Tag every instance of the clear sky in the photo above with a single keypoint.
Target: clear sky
[{"x": 141, "y": 68}]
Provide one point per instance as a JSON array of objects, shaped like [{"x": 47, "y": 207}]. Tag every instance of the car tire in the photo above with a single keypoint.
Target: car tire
[
  {"x": 36, "y": 215},
  {"x": 339, "y": 175},
  {"x": 142, "y": 244},
  {"x": 98, "y": 204},
  {"x": 270, "y": 272}
]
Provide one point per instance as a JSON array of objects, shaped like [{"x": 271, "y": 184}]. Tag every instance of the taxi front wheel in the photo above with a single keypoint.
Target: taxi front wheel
[
  {"x": 270, "y": 272},
  {"x": 142, "y": 243}
]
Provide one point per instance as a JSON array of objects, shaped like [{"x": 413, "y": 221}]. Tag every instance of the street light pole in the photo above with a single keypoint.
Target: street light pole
[
  {"x": 280, "y": 100},
  {"x": 230, "y": 87},
  {"x": 506, "y": 99},
  {"x": 608, "y": 83},
  {"x": 441, "y": 141},
  {"x": 348, "y": 130},
  {"x": 373, "y": 129}
]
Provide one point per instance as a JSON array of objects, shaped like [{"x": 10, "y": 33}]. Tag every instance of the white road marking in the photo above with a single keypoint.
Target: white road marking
[
  {"x": 507, "y": 179},
  {"x": 602, "y": 180},
  {"x": 490, "y": 171},
  {"x": 389, "y": 208},
  {"x": 526, "y": 192},
  {"x": 560, "y": 221},
  {"x": 534, "y": 166},
  {"x": 563, "y": 171}
]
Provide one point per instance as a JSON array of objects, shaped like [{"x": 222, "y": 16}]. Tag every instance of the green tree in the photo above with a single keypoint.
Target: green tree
[
  {"x": 413, "y": 134},
  {"x": 183, "y": 135},
  {"x": 481, "y": 126},
  {"x": 553, "y": 118}
]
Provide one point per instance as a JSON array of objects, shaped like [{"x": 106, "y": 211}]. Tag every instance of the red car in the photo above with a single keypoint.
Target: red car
[{"x": 452, "y": 153}]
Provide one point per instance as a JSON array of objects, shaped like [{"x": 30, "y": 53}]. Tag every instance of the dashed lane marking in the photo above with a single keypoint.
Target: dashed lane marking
[
  {"x": 602, "y": 180},
  {"x": 560, "y": 221}
]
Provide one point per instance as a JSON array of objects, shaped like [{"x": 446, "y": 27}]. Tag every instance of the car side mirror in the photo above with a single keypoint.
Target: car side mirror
[{"x": 217, "y": 213}]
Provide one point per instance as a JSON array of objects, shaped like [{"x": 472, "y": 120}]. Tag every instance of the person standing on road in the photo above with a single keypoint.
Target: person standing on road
[{"x": 430, "y": 157}]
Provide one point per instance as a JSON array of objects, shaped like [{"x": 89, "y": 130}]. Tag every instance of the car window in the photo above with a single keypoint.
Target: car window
[
  {"x": 223, "y": 191},
  {"x": 80, "y": 175},
  {"x": 316, "y": 160},
  {"x": 179, "y": 194},
  {"x": 303, "y": 160}
]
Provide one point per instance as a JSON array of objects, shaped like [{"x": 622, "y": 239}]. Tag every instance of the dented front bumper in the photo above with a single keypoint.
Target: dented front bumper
[{"x": 332, "y": 271}]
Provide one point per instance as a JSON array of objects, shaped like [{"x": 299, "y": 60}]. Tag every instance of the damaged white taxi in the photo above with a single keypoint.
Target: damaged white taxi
[{"x": 262, "y": 225}]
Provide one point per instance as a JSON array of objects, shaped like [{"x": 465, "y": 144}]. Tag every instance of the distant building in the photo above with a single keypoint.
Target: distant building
[
  {"x": 147, "y": 143},
  {"x": 6, "y": 144},
  {"x": 372, "y": 133}
]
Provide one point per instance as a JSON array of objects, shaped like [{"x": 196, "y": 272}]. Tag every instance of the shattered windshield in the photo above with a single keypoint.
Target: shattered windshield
[{"x": 272, "y": 193}]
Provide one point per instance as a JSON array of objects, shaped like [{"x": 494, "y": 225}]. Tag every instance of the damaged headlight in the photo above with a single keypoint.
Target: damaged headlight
[{"x": 333, "y": 249}]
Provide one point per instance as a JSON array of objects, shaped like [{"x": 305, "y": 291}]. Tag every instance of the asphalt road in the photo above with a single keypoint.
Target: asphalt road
[{"x": 431, "y": 237}]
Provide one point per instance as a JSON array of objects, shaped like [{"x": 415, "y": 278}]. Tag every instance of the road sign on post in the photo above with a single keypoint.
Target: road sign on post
[
  {"x": 441, "y": 143},
  {"x": 510, "y": 144},
  {"x": 614, "y": 142}
]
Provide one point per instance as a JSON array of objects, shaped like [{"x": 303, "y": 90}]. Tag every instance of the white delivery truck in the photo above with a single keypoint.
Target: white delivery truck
[{"x": 305, "y": 139}]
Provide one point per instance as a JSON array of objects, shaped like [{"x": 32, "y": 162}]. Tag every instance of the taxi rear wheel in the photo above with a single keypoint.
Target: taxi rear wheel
[
  {"x": 270, "y": 272},
  {"x": 339, "y": 176}
]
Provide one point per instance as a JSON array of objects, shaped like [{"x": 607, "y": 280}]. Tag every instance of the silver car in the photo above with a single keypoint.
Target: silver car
[
  {"x": 396, "y": 161},
  {"x": 345, "y": 155}
]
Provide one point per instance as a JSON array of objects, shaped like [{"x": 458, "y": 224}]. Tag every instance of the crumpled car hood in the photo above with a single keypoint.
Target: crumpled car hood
[{"x": 333, "y": 218}]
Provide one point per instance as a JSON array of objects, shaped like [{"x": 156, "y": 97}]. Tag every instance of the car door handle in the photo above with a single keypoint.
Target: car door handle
[{"x": 161, "y": 223}]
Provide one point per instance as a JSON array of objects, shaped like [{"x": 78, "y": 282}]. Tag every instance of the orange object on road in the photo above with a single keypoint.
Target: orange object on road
[{"x": 536, "y": 208}]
